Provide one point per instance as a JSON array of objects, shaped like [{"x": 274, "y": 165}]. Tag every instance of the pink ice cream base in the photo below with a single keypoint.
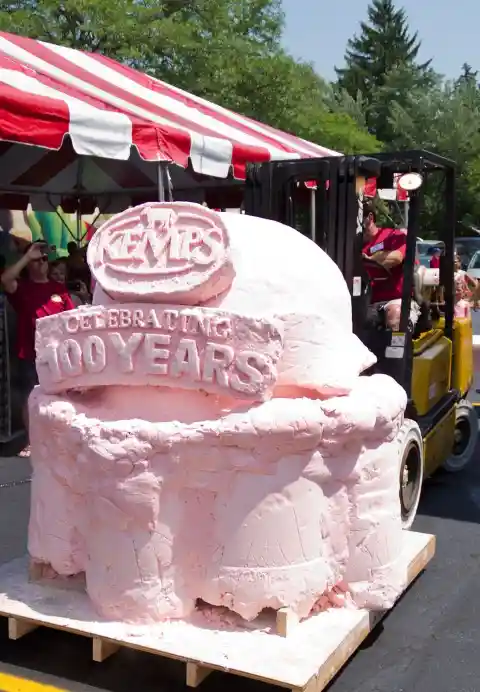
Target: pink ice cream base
[
  {"x": 250, "y": 469},
  {"x": 249, "y": 508}
]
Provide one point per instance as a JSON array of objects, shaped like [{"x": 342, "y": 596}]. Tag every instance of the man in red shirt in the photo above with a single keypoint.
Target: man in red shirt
[
  {"x": 32, "y": 295},
  {"x": 386, "y": 247},
  {"x": 435, "y": 261}
]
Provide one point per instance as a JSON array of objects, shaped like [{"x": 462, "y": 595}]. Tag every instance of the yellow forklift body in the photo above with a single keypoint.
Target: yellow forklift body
[
  {"x": 431, "y": 370},
  {"x": 462, "y": 355}
]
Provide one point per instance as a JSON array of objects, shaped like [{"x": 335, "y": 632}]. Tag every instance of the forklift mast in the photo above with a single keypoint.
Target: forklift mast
[{"x": 323, "y": 198}]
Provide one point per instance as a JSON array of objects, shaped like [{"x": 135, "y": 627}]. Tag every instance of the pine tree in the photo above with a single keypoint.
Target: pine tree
[
  {"x": 384, "y": 47},
  {"x": 468, "y": 77}
]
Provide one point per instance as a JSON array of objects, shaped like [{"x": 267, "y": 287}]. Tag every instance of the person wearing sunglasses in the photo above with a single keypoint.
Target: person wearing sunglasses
[{"x": 32, "y": 295}]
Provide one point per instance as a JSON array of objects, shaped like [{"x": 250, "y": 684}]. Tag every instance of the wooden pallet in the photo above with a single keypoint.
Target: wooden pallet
[{"x": 296, "y": 655}]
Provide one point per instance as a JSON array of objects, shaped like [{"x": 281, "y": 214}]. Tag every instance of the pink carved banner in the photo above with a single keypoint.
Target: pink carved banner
[{"x": 169, "y": 346}]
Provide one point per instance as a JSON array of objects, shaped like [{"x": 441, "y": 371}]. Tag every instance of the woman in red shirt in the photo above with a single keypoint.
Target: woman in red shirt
[{"x": 32, "y": 296}]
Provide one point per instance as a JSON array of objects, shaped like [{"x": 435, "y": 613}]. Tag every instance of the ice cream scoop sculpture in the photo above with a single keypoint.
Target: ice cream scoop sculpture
[{"x": 203, "y": 431}]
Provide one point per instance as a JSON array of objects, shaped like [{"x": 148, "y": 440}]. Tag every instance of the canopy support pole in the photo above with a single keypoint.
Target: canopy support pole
[
  {"x": 78, "y": 215},
  {"x": 313, "y": 215},
  {"x": 165, "y": 185},
  {"x": 161, "y": 184}
]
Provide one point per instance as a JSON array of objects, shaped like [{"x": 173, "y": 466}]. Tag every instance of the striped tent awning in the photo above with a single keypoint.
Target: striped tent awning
[{"x": 49, "y": 92}]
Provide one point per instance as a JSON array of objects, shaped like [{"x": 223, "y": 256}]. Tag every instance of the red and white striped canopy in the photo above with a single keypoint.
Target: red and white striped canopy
[{"x": 48, "y": 92}]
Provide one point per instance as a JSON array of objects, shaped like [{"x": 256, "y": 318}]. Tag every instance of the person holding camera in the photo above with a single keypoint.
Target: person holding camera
[
  {"x": 32, "y": 295},
  {"x": 78, "y": 290}
]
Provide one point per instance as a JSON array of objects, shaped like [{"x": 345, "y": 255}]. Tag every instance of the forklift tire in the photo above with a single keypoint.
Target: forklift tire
[
  {"x": 466, "y": 433},
  {"x": 411, "y": 470}
]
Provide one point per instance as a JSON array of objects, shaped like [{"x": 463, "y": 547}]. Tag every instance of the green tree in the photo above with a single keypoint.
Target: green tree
[
  {"x": 163, "y": 37},
  {"x": 468, "y": 76},
  {"x": 227, "y": 51},
  {"x": 445, "y": 120},
  {"x": 382, "y": 62}
]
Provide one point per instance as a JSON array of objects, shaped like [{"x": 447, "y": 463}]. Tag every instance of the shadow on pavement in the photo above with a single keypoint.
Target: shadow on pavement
[{"x": 454, "y": 495}]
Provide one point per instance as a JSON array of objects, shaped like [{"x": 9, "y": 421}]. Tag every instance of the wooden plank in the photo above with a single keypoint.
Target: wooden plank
[
  {"x": 286, "y": 621},
  {"x": 421, "y": 559},
  {"x": 307, "y": 659},
  {"x": 196, "y": 674},
  {"x": 18, "y": 628},
  {"x": 353, "y": 640},
  {"x": 103, "y": 649}
]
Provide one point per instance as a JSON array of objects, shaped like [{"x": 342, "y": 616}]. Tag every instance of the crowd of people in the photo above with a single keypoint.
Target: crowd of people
[
  {"x": 39, "y": 284},
  {"x": 384, "y": 249},
  {"x": 466, "y": 287}
]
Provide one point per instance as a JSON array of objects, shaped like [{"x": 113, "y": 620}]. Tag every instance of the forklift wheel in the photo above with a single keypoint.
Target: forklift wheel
[
  {"x": 411, "y": 470},
  {"x": 465, "y": 441}
]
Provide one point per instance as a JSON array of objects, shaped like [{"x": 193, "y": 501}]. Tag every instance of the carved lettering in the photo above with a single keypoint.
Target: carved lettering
[
  {"x": 222, "y": 328},
  {"x": 49, "y": 357},
  {"x": 186, "y": 360},
  {"x": 125, "y": 319},
  {"x": 169, "y": 346},
  {"x": 163, "y": 251},
  {"x": 113, "y": 318},
  {"x": 152, "y": 320},
  {"x": 125, "y": 349},
  {"x": 72, "y": 323},
  {"x": 252, "y": 367},
  {"x": 154, "y": 352},
  {"x": 171, "y": 320},
  {"x": 168, "y": 319},
  {"x": 210, "y": 244},
  {"x": 94, "y": 354},
  {"x": 70, "y": 357},
  {"x": 99, "y": 321},
  {"x": 86, "y": 322},
  {"x": 137, "y": 319},
  {"x": 166, "y": 241},
  {"x": 217, "y": 359}
]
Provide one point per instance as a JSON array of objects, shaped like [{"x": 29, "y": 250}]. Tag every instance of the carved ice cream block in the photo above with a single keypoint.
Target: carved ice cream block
[{"x": 203, "y": 431}]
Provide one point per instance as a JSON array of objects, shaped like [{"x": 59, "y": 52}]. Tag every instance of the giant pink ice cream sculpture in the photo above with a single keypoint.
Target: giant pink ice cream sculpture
[{"x": 203, "y": 432}]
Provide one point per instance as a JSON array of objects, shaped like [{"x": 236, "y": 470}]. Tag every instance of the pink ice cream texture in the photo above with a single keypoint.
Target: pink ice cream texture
[{"x": 247, "y": 464}]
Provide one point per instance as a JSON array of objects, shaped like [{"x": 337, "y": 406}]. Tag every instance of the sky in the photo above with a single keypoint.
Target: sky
[{"x": 318, "y": 31}]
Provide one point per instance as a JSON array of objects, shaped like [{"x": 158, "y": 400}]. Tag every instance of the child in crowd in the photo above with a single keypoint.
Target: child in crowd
[
  {"x": 58, "y": 271},
  {"x": 465, "y": 289}
]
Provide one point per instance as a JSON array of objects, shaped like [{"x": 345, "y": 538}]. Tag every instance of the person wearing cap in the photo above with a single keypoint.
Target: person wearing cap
[
  {"x": 32, "y": 295},
  {"x": 435, "y": 254}
]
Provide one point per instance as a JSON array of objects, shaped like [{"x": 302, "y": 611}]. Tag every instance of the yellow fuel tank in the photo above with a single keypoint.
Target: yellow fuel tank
[
  {"x": 431, "y": 371},
  {"x": 462, "y": 355}
]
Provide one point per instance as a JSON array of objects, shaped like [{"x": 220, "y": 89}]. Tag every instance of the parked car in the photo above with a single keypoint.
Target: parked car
[
  {"x": 473, "y": 268},
  {"x": 466, "y": 248}
]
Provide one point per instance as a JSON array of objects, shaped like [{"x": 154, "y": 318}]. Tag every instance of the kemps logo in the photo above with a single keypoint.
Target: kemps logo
[{"x": 163, "y": 252}]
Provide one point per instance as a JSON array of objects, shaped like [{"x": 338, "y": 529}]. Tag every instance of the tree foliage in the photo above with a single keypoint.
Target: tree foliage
[
  {"x": 227, "y": 51},
  {"x": 230, "y": 52},
  {"x": 381, "y": 64},
  {"x": 445, "y": 119},
  {"x": 408, "y": 106}
]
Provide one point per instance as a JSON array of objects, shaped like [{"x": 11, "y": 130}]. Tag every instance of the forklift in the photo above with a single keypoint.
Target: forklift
[{"x": 433, "y": 360}]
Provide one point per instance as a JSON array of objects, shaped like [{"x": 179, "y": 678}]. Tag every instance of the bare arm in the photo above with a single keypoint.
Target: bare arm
[
  {"x": 473, "y": 283},
  {"x": 11, "y": 274},
  {"x": 388, "y": 259}
]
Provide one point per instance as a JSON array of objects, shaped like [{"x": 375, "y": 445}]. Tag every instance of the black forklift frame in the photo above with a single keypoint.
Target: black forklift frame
[{"x": 271, "y": 191}]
